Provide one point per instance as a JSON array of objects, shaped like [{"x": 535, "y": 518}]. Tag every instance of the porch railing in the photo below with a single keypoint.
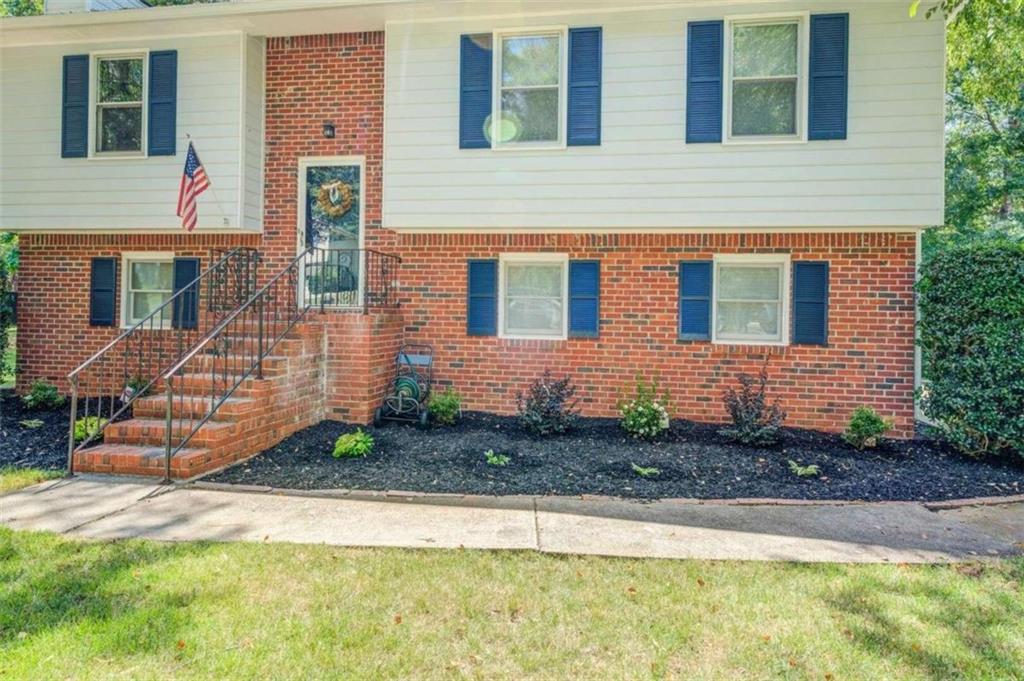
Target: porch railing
[
  {"x": 107, "y": 384},
  {"x": 235, "y": 349}
]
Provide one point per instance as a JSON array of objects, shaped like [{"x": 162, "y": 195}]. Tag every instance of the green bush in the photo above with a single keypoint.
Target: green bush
[
  {"x": 87, "y": 426},
  {"x": 496, "y": 459},
  {"x": 353, "y": 445},
  {"x": 865, "y": 428},
  {"x": 645, "y": 415},
  {"x": 971, "y": 335},
  {"x": 43, "y": 395},
  {"x": 446, "y": 407},
  {"x": 549, "y": 407},
  {"x": 754, "y": 421}
]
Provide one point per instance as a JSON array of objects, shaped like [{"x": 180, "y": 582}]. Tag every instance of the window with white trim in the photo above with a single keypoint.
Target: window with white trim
[
  {"x": 530, "y": 76},
  {"x": 765, "y": 89},
  {"x": 750, "y": 299},
  {"x": 147, "y": 283},
  {"x": 533, "y": 291},
  {"x": 119, "y": 95}
]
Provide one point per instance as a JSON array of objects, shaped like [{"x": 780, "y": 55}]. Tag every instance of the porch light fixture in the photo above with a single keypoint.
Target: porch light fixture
[{"x": 329, "y": 129}]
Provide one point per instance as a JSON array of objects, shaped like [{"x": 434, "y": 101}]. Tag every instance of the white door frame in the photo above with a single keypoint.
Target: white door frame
[{"x": 304, "y": 164}]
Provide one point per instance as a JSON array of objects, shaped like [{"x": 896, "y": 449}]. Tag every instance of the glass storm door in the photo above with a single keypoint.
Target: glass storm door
[{"x": 333, "y": 226}]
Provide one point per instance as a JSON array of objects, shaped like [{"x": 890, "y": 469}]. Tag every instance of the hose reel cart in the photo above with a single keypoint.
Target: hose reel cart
[{"x": 410, "y": 390}]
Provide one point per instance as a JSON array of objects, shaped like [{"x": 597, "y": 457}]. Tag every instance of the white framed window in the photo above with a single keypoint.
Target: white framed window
[
  {"x": 766, "y": 79},
  {"x": 118, "y": 94},
  {"x": 147, "y": 282},
  {"x": 530, "y": 74},
  {"x": 533, "y": 294},
  {"x": 751, "y": 300}
]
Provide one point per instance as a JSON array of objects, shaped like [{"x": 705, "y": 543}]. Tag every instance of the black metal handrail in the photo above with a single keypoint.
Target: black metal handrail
[
  {"x": 107, "y": 384},
  {"x": 236, "y": 348}
]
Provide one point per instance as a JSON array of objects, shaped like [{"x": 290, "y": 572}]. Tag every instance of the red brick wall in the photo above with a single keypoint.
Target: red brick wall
[
  {"x": 360, "y": 361},
  {"x": 312, "y": 79},
  {"x": 54, "y": 335},
  {"x": 869, "y": 360}
]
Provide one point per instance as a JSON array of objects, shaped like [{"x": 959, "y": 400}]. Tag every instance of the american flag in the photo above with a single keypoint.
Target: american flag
[{"x": 193, "y": 183}]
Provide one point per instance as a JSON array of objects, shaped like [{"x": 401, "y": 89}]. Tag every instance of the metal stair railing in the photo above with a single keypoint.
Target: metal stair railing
[{"x": 104, "y": 387}]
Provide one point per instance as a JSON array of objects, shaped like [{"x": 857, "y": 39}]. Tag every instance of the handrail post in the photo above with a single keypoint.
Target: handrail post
[
  {"x": 71, "y": 427},
  {"x": 259, "y": 346},
  {"x": 167, "y": 433}
]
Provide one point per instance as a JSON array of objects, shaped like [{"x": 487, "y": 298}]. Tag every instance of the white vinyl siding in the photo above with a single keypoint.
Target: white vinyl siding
[
  {"x": 41, "y": 190},
  {"x": 888, "y": 173},
  {"x": 255, "y": 92}
]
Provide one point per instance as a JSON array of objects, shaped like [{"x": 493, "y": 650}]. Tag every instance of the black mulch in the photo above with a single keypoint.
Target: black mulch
[
  {"x": 24, "y": 446},
  {"x": 694, "y": 462}
]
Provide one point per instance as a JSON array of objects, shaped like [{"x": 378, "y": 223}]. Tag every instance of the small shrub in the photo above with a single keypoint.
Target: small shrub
[
  {"x": 811, "y": 471},
  {"x": 971, "y": 335},
  {"x": 43, "y": 395},
  {"x": 496, "y": 459},
  {"x": 353, "y": 445},
  {"x": 445, "y": 407},
  {"x": 135, "y": 388},
  {"x": 645, "y": 472},
  {"x": 865, "y": 428},
  {"x": 87, "y": 426},
  {"x": 31, "y": 424},
  {"x": 645, "y": 415},
  {"x": 549, "y": 407},
  {"x": 754, "y": 421}
]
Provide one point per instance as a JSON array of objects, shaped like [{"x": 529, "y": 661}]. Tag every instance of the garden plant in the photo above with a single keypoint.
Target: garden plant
[
  {"x": 754, "y": 421},
  {"x": 549, "y": 406},
  {"x": 645, "y": 415}
]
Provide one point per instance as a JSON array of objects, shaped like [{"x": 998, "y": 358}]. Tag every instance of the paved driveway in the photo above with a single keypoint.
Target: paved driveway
[{"x": 110, "y": 508}]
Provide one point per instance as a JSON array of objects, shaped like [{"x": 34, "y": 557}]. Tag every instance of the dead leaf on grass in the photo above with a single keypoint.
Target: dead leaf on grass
[{"x": 398, "y": 619}]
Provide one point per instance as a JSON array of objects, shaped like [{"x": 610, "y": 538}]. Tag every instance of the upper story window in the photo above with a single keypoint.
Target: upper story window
[
  {"x": 765, "y": 71},
  {"x": 119, "y": 96},
  {"x": 530, "y": 89}
]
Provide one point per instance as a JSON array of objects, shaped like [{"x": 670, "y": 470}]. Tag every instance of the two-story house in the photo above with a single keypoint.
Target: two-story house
[{"x": 679, "y": 189}]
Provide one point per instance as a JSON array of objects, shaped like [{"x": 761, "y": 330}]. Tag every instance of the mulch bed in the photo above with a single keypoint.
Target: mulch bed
[
  {"x": 694, "y": 462},
  {"x": 21, "y": 446}
]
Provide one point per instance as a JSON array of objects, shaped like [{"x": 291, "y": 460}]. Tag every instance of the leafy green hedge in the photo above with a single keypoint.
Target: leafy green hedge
[{"x": 972, "y": 338}]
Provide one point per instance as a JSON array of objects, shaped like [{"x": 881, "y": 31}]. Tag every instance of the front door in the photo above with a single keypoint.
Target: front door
[{"x": 332, "y": 223}]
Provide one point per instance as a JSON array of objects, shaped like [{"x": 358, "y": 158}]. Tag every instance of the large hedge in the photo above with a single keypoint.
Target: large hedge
[{"x": 972, "y": 338}]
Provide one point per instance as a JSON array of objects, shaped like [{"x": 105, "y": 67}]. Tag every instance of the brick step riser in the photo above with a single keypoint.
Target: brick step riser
[{"x": 190, "y": 407}]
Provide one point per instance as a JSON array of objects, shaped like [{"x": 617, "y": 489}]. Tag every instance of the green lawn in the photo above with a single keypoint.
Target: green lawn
[
  {"x": 144, "y": 610},
  {"x": 15, "y": 478}
]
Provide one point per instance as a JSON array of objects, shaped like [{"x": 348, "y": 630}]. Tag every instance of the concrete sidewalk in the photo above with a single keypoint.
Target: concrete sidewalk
[{"x": 108, "y": 508}]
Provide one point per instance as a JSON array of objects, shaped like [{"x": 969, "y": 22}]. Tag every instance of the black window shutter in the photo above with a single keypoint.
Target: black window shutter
[
  {"x": 584, "y": 298},
  {"x": 810, "y": 303},
  {"x": 475, "y": 89},
  {"x": 695, "y": 288},
  {"x": 584, "y": 118},
  {"x": 704, "y": 81},
  {"x": 163, "y": 102},
  {"x": 74, "y": 134},
  {"x": 482, "y": 298},
  {"x": 829, "y": 77},
  {"x": 185, "y": 312},
  {"x": 102, "y": 291}
]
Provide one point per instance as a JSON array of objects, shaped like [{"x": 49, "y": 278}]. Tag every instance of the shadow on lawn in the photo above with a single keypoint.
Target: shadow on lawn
[
  {"x": 54, "y": 584},
  {"x": 882, "y": 618}
]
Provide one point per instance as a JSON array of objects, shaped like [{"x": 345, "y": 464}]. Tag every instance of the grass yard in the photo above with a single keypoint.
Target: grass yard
[
  {"x": 12, "y": 478},
  {"x": 145, "y": 610}
]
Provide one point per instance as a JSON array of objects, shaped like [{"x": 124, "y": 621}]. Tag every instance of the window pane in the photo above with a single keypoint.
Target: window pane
[
  {"x": 764, "y": 107},
  {"x": 748, "y": 319},
  {"x": 531, "y": 60},
  {"x": 143, "y": 305},
  {"x": 120, "y": 129},
  {"x": 534, "y": 279},
  {"x": 120, "y": 80},
  {"x": 533, "y": 316},
  {"x": 748, "y": 283},
  {"x": 529, "y": 116},
  {"x": 152, "y": 276},
  {"x": 760, "y": 51}
]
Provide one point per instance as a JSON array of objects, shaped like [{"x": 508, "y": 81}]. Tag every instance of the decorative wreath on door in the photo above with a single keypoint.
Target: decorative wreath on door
[{"x": 334, "y": 198}]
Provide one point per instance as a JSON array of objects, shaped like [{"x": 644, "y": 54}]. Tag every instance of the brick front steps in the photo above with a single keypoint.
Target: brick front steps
[{"x": 258, "y": 415}]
